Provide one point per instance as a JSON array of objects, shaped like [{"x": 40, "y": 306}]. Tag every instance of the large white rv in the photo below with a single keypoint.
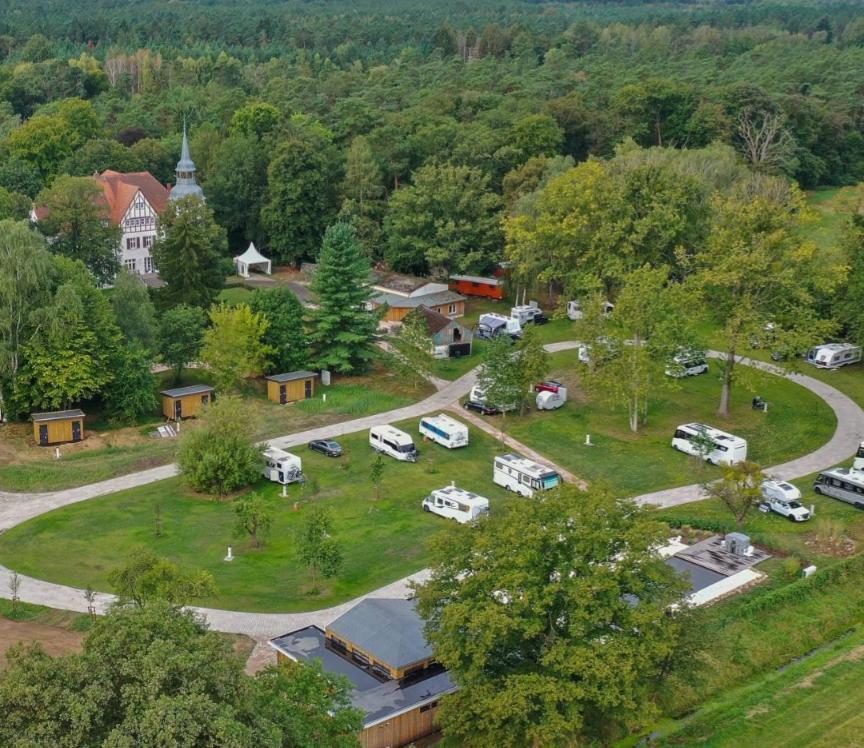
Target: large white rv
[
  {"x": 834, "y": 355},
  {"x": 523, "y": 476},
  {"x": 443, "y": 430},
  {"x": 493, "y": 324},
  {"x": 714, "y": 446},
  {"x": 393, "y": 442},
  {"x": 454, "y": 503},
  {"x": 575, "y": 312},
  {"x": 281, "y": 466},
  {"x": 844, "y": 484}
]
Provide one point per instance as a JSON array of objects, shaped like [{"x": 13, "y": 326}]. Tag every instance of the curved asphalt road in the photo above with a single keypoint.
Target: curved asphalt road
[{"x": 16, "y": 508}]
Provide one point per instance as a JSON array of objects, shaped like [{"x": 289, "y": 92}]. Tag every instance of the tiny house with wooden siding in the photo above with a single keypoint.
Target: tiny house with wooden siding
[
  {"x": 186, "y": 402},
  {"x": 291, "y": 386},
  {"x": 58, "y": 427}
]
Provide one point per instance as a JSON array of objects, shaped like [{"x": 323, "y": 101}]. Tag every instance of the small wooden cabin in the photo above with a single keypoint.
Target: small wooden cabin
[
  {"x": 291, "y": 387},
  {"x": 474, "y": 285},
  {"x": 186, "y": 402},
  {"x": 58, "y": 427}
]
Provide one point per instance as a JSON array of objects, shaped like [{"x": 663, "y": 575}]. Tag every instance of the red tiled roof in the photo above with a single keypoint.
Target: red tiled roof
[{"x": 120, "y": 190}]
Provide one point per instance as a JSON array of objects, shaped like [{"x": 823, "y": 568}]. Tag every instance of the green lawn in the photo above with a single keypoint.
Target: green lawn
[
  {"x": 234, "y": 295},
  {"x": 383, "y": 540},
  {"x": 814, "y": 703},
  {"x": 796, "y": 423}
]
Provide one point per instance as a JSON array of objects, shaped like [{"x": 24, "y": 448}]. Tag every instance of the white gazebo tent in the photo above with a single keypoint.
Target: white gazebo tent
[{"x": 250, "y": 259}]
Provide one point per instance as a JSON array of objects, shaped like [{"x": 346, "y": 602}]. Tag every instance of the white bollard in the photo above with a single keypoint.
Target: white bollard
[
  {"x": 812, "y": 511},
  {"x": 324, "y": 397},
  {"x": 230, "y": 556},
  {"x": 284, "y": 490},
  {"x": 56, "y": 453},
  {"x": 588, "y": 440}
]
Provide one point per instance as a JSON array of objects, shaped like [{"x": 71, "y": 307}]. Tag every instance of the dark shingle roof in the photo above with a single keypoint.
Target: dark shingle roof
[
  {"x": 57, "y": 415},
  {"x": 412, "y": 302},
  {"x": 389, "y": 630},
  {"x": 435, "y": 321},
  {"x": 193, "y": 389},
  {"x": 291, "y": 376}
]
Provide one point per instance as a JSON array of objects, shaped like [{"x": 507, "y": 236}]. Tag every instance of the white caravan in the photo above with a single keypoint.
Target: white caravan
[
  {"x": 394, "y": 442},
  {"x": 834, "y": 355},
  {"x": 443, "y": 430},
  {"x": 714, "y": 446},
  {"x": 477, "y": 395},
  {"x": 281, "y": 466},
  {"x": 843, "y": 484},
  {"x": 496, "y": 323},
  {"x": 523, "y": 476},
  {"x": 525, "y": 312},
  {"x": 575, "y": 312},
  {"x": 784, "y": 499},
  {"x": 454, "y": 503},
  {"x": 550, "y": 395}
]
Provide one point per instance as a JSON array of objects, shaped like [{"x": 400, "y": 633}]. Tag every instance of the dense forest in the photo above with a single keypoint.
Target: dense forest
[{"x": 406, "y": 116}]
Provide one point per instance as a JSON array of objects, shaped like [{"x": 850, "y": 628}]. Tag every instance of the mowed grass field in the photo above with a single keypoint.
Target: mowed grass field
[
  {"x": 796, "y": 423},
  {"x": 383, "y": 539},
  {"x": 813, "y": 703}
]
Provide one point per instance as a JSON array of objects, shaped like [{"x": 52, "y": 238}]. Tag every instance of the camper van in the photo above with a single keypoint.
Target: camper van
[
  {"x": 523, "y": 476},
  {"x": 843, "y": 484},
  {"x": 281, "y": 466},
  {"x": 454, "y": 503},
  {"x": 492, "y": 324},
  {"x": 784, "y": 499},
  {"x": 478, "y": 396},
  {"x": 443, "y": 430},
  {"x": 720, "y": 448},
  {"x": 834, "y": 355},
  {"x": 574, "y": 309},
  {"x": 551, "y": 394},
  {"x": 687, "y": 363},
  {"x": 393, "y": 442},
  {"x": 529, "y": 312}
]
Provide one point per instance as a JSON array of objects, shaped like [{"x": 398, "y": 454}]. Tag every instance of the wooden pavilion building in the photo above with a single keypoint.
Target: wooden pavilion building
[
  {"x": 58, "y": 427},
  {"x": 186, "y": 402},
  {"x": 291, "y": 387}
]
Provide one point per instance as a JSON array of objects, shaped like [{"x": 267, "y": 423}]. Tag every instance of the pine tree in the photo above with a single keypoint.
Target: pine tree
[
  {"x": 342, "y": 326},
  {"x": 189, "y": 253}
]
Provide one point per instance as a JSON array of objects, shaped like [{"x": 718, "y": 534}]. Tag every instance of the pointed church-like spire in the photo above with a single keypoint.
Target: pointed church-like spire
[{"x": 186, "y": 183}]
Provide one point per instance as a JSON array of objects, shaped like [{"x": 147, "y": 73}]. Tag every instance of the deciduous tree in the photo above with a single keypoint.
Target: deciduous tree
[
  {"x": 134, "y": 310},
  {"x": 78, "y": 225},
  {"x": 220, "y": 455},
  {"x": 500, "y": 377},
  {"x": 562, "y": 604},
  {"x": 739, "y": 490},
  {"x": 317, "y": 549},
  {"x": 253, "y": 517},
  {"x": 181, "y": 335},
  {"x": 145, "y": 577},
  {"x": 285, "y": 335},
  {"x": 234, "y": 346},
  {"x": 131, "y": 394}
]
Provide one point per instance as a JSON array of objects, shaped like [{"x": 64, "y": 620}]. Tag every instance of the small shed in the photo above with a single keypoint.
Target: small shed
[
  {"x": 449, "y": 338},
  {"x": 291, "y": 387},
  {"x": 252, "y": 259},
  {"x": 186, "y": 402},
  {"x": 57, "y": 427}
]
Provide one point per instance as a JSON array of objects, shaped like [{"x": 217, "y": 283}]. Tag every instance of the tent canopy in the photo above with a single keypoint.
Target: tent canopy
[{"x": 250, "y": 259}]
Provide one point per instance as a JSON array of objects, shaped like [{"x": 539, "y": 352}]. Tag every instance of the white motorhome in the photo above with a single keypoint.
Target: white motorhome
[
  {"x": 550, "y": 395},
  {"x": 687, "y": 363},
  {"x": 858, "y": 462},
  {"x": 444, "y": 430},
  {"x": 492, "y": 324},
  {"x": 281, "y": 466},
  {"x": 575, "y": 312},
  {"x": 834, "y": 355},
  {"x": 523, "y": 476},
  {"x": 784, "y": 499},
  {"x": 454, "y": 503},
  {"x": 843, "y": 484},
  {"x": 714, "y": 446},
  {"x": 393, "y": 442}
]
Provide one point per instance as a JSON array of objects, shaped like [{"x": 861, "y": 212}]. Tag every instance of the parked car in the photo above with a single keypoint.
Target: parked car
[
  {"x": 481, "y": 408},
  {"x": 326, "y": 447}
]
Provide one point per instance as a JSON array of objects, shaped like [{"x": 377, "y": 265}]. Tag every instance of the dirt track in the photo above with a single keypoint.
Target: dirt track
[{"x": 55, "y": 641}]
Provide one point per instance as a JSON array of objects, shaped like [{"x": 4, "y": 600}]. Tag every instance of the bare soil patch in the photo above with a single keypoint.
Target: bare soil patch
[{"x": 54, "y": 640}]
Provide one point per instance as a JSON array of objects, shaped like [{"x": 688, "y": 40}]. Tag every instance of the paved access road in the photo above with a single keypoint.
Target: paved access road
[{"x": 18, "y": 508}]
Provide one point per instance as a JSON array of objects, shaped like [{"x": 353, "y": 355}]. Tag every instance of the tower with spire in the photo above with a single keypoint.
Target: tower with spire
[{"x": 186, "y": 183}]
